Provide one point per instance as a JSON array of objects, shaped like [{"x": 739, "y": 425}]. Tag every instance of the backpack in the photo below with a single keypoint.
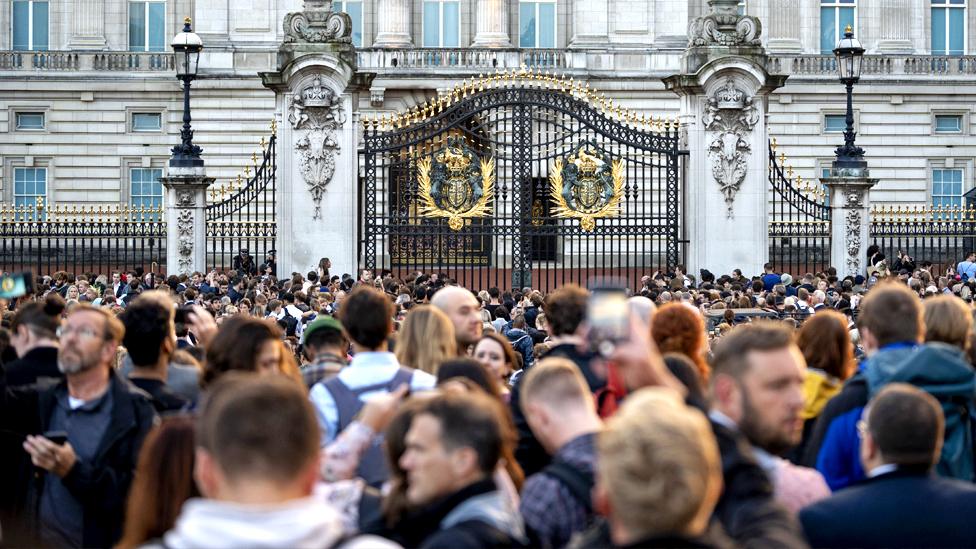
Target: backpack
[
  {"x": 291, "y": 323},
  {"x": 372, "y": 466}
]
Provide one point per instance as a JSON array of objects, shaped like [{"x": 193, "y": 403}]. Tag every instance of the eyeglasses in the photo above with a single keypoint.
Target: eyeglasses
[
  {"x": 85, "y": 332},
  {"x": 862, "y": 428}
]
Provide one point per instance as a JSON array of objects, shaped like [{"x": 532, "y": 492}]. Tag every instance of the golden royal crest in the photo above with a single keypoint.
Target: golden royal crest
[
  {"x": 587, "y": 186},
  {"x": 455, "y": 184}
]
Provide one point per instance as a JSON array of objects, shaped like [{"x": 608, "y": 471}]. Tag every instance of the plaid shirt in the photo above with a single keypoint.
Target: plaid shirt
[
  {"x": 550, "y": 510},
  {"x": 325, "y": 366}
]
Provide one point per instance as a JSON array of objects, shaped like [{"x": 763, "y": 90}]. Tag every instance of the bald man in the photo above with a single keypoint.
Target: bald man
[{"x": 462, "y": 308}]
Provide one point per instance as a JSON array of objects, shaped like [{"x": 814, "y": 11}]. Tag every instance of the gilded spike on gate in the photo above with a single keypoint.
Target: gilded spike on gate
[
  {"x": 254, "y": 158},
  {"x": 772, "y": 144},
  {"x": 264, "y": 144},
  {"x": 247, "y": 172}
]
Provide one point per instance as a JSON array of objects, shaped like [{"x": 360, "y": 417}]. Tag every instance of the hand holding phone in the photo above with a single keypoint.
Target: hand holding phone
[{"x": 608, "y": 319}]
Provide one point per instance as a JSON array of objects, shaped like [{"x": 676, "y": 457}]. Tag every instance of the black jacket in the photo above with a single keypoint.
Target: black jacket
[
  {"x": 101, "y": 485},
  {"x": 747, "y": 510},
  {"x": 904, "y": 508},
  {"x": 529, "y": 453},
  {"x": 39, "y": 362}
]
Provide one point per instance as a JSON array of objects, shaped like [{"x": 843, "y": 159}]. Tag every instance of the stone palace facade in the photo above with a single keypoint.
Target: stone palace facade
[{"x": 89, "y": 105}]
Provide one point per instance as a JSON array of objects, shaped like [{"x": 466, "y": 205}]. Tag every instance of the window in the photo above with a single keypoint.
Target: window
[
  {"x": 30, "y": 25},
  {"x": 742, "y": 7},
  {"x": 355, "y": 10},
  {"x": 948, "y": 27},
  {"x": 441, "y": 23},
  {"x": 947, "y": 187},
  {"x": 147, "y": 122},
  {"x": 835, "y": 123},
  {"x": 835, "y": 16},
  {"x": 29, "y": 185},
  {"x": 29, "y": 121},
  {"x": 146, "y": 190},
  {"x": 147, "y": 26},
  {"x": 948, "y": 123},
  {"x": 537, "y": 24}
]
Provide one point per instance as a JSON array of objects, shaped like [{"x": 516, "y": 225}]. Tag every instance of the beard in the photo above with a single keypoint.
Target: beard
[
  {"x": 763, "y": 436},
  {"x": 75, "y": 362}
]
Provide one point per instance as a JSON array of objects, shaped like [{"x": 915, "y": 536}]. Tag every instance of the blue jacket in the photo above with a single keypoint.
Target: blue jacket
[
  {"x": 936, "y": 368},
  {"x": 522, "y": 343},
  {"x": 769, "y": 280}
]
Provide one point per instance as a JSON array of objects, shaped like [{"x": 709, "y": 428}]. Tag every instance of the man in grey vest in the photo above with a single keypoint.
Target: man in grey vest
[{"x": 367, "y": 316}]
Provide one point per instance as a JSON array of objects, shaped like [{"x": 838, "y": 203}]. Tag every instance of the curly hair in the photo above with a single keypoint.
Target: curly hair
[{"x": 678, "y": 328}]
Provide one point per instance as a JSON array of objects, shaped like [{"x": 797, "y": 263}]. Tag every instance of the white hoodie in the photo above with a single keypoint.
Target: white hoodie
[{"x": 304, "y": 523}]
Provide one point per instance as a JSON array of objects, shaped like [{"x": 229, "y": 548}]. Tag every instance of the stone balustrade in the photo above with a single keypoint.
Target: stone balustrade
[
  {"x": 875, "y": 65},
  {"x": 63, "y": 61}
]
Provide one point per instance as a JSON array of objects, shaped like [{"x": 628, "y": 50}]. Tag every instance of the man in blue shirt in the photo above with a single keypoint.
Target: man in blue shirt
[
  {"x": 967, "y": 269},
  {"x": 769, "y": 278}
]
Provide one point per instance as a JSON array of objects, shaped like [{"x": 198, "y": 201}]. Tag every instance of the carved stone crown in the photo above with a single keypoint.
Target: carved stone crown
[
  {"x": 730, "y": 97},
  {"x": 317, "y": 95},
  {"x": 454, "y": 159}
]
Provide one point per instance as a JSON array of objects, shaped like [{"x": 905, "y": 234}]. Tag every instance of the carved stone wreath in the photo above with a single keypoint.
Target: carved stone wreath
[
  {"x": 724, "y": 30},
  {"x": 318, "y": 24},
  {"x": 184, "y": 231},
  {"x": 729, "y": 115},
  {"x": 316, "y": 113}
]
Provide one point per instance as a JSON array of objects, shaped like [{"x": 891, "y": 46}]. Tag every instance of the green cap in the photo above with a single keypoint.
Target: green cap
[{"x": 321, "y": 323}]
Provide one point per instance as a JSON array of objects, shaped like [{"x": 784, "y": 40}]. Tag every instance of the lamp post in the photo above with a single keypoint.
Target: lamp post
[
  {"x": 187, "y": 46},
  {"x": 849, "y": 54}
]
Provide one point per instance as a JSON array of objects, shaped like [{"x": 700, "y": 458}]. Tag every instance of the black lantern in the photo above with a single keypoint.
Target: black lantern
[
  {"x": 849, "y": 54},
  {"x": 186, "y": 45}
]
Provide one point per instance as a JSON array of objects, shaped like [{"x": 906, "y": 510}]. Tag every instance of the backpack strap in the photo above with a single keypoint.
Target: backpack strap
[
  {"x": 349, "y": 402},
  {"x": 579, "y": 483}
]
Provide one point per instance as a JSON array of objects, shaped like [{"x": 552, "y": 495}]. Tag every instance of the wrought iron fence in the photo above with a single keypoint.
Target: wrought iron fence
[
  {"x": 942, "y": 236},
  {"x": 799, "y": 226},
  {"x": 243, "y": 215},
  {"x": 78, "y": 239}
]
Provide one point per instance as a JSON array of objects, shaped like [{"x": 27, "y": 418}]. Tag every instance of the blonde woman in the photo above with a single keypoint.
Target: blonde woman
[{"x": 426, "y": 339}]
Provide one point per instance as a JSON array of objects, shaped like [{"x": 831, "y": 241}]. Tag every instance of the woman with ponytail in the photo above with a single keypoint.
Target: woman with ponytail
[{"x": 34, "y": 335}]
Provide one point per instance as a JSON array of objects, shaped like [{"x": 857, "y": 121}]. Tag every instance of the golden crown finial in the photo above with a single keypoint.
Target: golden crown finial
[
  {"x": 187, "y": 20},
  {"x": 848, "y": 29},
  {"x": 264, "y": 144}
]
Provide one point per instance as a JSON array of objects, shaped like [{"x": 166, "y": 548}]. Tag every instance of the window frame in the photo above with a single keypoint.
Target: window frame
[
  {"x": 362, "y": 16},
  {"x": 831, "y": 112},
  {"x": 948, "y": 7},
  {"x": 963, "y": 121},
  {"x": 145, "y": 45},
  {"x": 943, "y": 166},
  {"x": 130, "y": 116},
  {"x": 20, "y": 112},
  {"x": 133, "y": 163},
  {"x": 11, "y": 164},
  {"x": 440, "y": 14},
  {"x": 836, "y": 5},
  {"x": 15, "y": 110},
  {"x": 555, "y": 24},
  {"x": 30, "y": 25}
]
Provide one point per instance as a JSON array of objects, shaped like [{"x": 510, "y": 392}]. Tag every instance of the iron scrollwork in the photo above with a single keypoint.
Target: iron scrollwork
[
  {"x": 455, "y": 184},
  {"x": 587, "y": 186}
]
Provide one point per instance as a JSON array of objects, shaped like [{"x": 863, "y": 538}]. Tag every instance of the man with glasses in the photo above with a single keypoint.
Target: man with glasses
[{"x": 82, "y": 434}]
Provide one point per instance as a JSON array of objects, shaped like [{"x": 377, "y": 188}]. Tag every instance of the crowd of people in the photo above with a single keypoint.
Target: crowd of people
[{"x": 237, "y": 409}]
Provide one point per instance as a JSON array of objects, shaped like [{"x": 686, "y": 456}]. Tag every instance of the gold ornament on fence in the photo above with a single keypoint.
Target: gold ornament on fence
[
  {"x": 455, "y": 184},
  {"x": 587, "y": 186}
]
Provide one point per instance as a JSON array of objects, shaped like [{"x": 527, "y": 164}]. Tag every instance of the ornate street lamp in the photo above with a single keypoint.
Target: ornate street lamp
[
  {"x": 187, "y": 46},
  {"x": 849, "y": 54}
]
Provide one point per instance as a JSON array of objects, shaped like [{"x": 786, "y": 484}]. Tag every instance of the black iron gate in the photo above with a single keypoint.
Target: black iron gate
[
  {"x": 519, "y": 180},
  {"x": 799, "y": 220}
]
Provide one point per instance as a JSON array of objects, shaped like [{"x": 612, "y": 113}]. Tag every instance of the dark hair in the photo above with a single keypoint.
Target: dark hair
[
  {"x": 326, "y": 337},
  {"x": 148, "y": 324},
  {"x": 493, "y": 293},
  {"x": 163, "y": 482},
  {"x": 41, "y": 317},
  {"x": 730, "y": 354},
  {"x": 907, "y": 424},
  {"x": 469, "y": 421},
  {"x": 246, "y": 441},
  {"x": 236, "y": 346},
  {"x": 892, "y": 313},
  {"x": 367, "y": 316},
  {"x": 686, "y": 371},
  {"x": 826, "y": 345},
  {"x": 471, "y": 369},
  {"x": 565, "y": 309}
]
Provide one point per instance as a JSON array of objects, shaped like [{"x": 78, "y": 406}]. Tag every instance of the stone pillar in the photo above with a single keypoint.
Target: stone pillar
[
  {"x": 394, "y": 24},
  {"x": 724, "y": 88},
  {"x": 87, "y": 25},
  {"x": 784, "y": 26},
  {"x": 186, "y": 221},
  {"x": 850, "y": 206},
  {"x": 591, "y": 23},
  {"x": 317, "y": 178},
  {"x": 492, "y": 29}
]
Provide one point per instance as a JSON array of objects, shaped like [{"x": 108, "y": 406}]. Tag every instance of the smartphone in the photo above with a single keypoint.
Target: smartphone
[
  {"x": 57, "y": 437},
  {"x": 608, "y": 318},
  {"x": 16, "y": 285}
]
